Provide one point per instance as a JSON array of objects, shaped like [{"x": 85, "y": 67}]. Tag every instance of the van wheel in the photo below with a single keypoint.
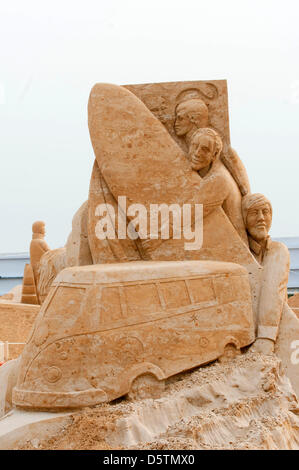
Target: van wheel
[
  {"x": 146, "y": 386},
  {"x": 230, "y": 352}
]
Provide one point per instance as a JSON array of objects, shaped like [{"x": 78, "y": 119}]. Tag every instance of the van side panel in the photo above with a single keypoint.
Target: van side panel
[{"x": 90, "y": 340}]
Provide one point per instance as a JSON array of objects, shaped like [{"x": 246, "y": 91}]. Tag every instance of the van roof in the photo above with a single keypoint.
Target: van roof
[{"x": 145, "y": 270}]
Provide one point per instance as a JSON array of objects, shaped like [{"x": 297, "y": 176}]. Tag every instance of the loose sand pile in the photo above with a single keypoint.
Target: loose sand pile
[{"x": 243, "y": 404}]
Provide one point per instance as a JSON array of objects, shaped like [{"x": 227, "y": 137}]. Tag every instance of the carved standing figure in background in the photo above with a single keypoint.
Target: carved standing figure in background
[
  {"x": 274, "y": 257},
  {"x": 38, "y": 247}
]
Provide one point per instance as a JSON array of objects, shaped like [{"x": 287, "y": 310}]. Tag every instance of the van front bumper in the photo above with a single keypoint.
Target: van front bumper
[{"x": 57, "y": 400}]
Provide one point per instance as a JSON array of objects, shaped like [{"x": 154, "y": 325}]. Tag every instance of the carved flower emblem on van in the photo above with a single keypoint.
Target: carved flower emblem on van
[{"x": 53, "y": 374}]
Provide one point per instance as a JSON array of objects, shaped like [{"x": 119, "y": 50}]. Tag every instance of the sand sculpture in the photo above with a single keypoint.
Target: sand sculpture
[
  {"x": 275, "y": 259},
  {"x": 243, "y": 404},
  {"x": 163, "y": 100},
  {"x": 38, "y": 247},
  {"x": 51, "y": 263},
  {"x": 278, "y": 326},
  {"x": 76, "y": 252},
  {"x": 19, "y": 308},
  {"x": 126, "y": 135},
  {"x": 156, "y": 144},
  {"x": 141, "y": 323},
  {"x": 192, "y": 114},
  {"x": 29, "y": 290},
  {"x": 204, "y": 152}
]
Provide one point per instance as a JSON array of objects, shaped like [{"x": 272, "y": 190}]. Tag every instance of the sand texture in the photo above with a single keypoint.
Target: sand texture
[{"x": 245, "y": 403}]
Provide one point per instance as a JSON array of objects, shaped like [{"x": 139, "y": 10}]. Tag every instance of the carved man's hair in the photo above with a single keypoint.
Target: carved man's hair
[
  {"x": 206, "y": 131},
  {"x": 253, "y": 200},
  {"x": 196, "y": 110}
]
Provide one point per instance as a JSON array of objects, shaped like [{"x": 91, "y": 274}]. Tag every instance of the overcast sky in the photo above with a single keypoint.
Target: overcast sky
[{"x": 53, "y": 52}]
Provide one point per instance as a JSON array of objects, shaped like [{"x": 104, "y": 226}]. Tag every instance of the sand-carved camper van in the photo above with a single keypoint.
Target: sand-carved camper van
[{"x": 105, "y": 331}]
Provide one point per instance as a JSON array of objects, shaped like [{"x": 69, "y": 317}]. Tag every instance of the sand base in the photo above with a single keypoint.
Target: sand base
[{"x": 243, "y": 404}]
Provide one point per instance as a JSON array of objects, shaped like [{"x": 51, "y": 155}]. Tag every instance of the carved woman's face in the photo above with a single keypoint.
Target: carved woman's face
[
  {"x": 182, "y": 124},
  {"x": 201, "y": 152},
  {"x": 258, "y": 221}
]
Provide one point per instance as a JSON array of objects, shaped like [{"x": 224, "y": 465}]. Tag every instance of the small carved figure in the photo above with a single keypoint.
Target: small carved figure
[
  {"x": 217, "y": 184},
  {"x": 274, "y": 257},
  {"x": 124, "y": 328},
  {"x": 38, "y": 247}
]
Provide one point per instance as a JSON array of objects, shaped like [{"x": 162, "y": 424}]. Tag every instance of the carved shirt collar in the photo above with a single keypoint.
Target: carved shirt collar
[{"x": 258, "y": 249}]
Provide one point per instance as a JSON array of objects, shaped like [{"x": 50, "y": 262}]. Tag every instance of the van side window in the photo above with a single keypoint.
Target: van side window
[
  {"x": 225, "y": 289},
  {"x": 175, "y": 294},
  {"x": 232, "y": 288},
  {"x": 110, "y": 305},
  {"x": 66, "y": 302},
  {"x": 142, "y": 299},
  {"x": 201, "y": 290}
]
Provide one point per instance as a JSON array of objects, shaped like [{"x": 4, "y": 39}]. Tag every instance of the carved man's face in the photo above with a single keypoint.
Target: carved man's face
[
  {"x": 201, "y": 152},
  {"x": 258, "y": 221},
  {"x": 182, "y": 123},
  {"x": 42, "y": 229}
]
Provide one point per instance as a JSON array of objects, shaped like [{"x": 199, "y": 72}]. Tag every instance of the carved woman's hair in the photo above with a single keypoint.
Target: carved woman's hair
[{"x": 196, "y": 110}]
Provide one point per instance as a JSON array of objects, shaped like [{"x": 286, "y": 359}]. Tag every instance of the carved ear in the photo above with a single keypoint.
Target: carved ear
[{"x": 216, "y": 153}]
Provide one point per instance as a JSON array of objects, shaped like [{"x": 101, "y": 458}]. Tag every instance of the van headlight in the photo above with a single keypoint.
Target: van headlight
[{"x": 53, "y": 374}]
